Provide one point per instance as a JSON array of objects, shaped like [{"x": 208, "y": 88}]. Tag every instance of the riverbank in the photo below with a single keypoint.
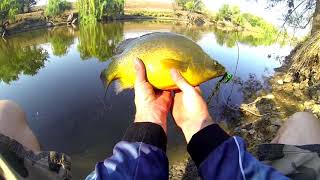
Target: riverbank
[
  {"x": 294, "y": 87},
  {"x": 37, "y": 19}
]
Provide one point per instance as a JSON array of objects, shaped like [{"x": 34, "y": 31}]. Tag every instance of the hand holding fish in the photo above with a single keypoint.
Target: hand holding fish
[
  {"x": 189, "y": 111},
  {"x": 151, "y": 106}
]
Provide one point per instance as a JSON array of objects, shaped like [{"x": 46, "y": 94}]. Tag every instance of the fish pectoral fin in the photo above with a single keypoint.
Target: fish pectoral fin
[{"x": 176, "y": 64}]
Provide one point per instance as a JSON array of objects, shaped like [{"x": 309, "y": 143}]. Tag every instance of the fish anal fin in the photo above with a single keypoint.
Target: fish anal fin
[{"x": 176, "y": 64}]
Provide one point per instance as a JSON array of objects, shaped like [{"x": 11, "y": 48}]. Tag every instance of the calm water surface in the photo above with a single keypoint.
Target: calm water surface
[{"x": 54, "y": 75}]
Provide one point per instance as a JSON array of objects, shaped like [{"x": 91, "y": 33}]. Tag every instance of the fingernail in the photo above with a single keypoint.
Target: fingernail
[{"x": 136, "y": 63}]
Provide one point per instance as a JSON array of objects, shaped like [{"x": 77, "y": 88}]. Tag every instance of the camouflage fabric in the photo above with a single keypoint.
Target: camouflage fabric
[
  {"x": 16, "y": 162},
  {"x": 296, "y": 162}
]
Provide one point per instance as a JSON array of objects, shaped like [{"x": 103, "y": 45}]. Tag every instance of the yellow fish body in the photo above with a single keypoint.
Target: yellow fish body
[{"x": 161, "y": 52}]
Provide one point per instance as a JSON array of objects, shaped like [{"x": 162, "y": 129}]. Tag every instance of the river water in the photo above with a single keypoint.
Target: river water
[{"x": 54, "y": 74}]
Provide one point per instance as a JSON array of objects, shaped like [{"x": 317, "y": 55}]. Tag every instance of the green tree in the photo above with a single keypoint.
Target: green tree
[
  {"x": 93, "y": 10},
  {"x": 194, "y": 5},
  {"x": 181, "y": 3},
  {"x": 299, "y": 13},
  {"x": 56, "y": 7},
  {"x": 8, "y": 9},
  {"x": 227, "y": 13}
]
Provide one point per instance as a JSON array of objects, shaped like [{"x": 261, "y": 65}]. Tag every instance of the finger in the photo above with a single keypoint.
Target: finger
[
  {"x": 180, "y": 81},
  {"x": 197, "y": 88},
  {"x": 140, "y": 71}
]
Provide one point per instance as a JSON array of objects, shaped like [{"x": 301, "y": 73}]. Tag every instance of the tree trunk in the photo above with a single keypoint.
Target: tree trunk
[{"x": 316, "y": 18}]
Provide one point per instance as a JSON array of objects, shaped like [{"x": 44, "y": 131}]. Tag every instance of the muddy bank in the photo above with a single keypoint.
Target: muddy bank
[{"x": 38, "y": 20}]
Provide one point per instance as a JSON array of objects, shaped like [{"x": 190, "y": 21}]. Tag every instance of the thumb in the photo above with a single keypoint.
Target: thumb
[
  {"x": 140, "y": 71},
  {"x": 182, "y": 84}
]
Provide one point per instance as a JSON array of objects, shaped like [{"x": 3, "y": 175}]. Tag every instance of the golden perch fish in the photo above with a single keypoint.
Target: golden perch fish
[{"x": 160, "y": 52}]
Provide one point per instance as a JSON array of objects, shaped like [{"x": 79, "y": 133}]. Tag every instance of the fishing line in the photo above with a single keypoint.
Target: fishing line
[
  {"x": 236, "y": 69},
  {"x": 226, "y": 77}
]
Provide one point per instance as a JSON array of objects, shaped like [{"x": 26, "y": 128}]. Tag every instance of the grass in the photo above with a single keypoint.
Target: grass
[
  {"x": 148, "y": 5},
  {"x": 149, "y": 13}
]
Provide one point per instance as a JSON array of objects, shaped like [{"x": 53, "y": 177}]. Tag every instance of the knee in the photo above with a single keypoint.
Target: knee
[
  {"x": 303, "y": 117},
  {"x": 9, "y": 107}
]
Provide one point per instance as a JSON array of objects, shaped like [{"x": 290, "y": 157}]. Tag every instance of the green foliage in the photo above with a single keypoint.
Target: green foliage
[
  {"x": 93, "y": 10},
  {"x": 247, "y": 21},
  {"x": 181, "y": 3},
  {"x": 190, "y": 5},
  {"x": 16, "y": 60},
  {"x": 8, "y": 9},
  {"x": 56, "y": 7},
  {"x": 232, "y": 14},
  {"x": 99, "y": 40}
]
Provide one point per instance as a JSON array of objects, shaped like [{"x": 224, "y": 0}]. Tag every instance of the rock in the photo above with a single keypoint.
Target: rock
[
  {"x": 237, "y": 130},
  {"x": 303, "y": 84},
  {"x": 297, "y": 93},
  {"x": 308, "y": 103},
  {"x": 272, "y": 129},
  {"x": 251, "y": 131},
  {"x": 288, "y": 87},
  {"x": 295, "y": 86},
  {"x": 316, "y": 108},
  {"x": 280, "y": 81},
  {"x": 287, "y": 78},
  {"x": 244, "y": 130},
  {"x": 277, "y": 122}
]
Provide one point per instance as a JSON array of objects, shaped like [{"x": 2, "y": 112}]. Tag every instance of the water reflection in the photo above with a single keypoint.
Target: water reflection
[
  {"x": 195, "y": 33},
  {"x": 16, "y": 59},
  {"x": 61, "y": 39},
  {"x": 99, "y": 40},
  {"x": 245, "y": 37}
]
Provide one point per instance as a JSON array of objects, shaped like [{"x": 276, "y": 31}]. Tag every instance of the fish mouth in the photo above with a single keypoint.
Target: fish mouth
[
  {"x": 103, "y": 75},
  {"x": 220, "y": 71}
]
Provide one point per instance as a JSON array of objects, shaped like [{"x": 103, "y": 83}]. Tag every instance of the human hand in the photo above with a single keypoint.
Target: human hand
[
  {"x": 190, "y": 111},
  {"x": 151, "y": 106}
]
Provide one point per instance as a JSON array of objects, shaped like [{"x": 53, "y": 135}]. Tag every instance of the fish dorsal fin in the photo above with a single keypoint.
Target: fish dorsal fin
[{"x": 176, "y": 64}]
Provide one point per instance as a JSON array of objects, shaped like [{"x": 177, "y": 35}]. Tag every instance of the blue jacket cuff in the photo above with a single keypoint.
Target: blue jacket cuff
[{"x": 205, "y": 141}]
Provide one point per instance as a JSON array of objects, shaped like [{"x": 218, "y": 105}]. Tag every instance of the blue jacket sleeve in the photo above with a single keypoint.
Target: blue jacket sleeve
[
  {"x": 227, "y": 158},
  {"x": 141, "y": 155}
]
